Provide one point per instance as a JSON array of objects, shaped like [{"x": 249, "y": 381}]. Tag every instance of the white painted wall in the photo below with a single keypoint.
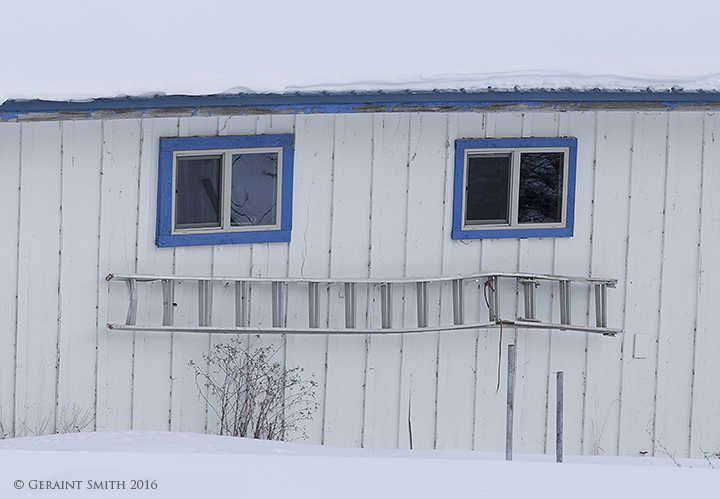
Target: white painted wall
[{"x": 372, "y": 198}]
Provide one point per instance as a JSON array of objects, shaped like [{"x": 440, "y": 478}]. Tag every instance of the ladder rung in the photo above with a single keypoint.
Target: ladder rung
[
  {"x": 529, "y": 298},
  {"x": 458, "y": 291},
  {"x": 278, "y": 303},
  {"x": 601, "y": 305},
  {"x": 313, "y": 304},
  {"x": 564, "y": 302},
  {"x": 133, "y": 300},
  {"x": 241, "y": 303},
  {"x": 204, "y": 303},
  {"x": 350, "y": 304},
  {"x": 168, "y": 289},
  {"x": 386, "y": 305},
  {"x": 421, "y": 293}
]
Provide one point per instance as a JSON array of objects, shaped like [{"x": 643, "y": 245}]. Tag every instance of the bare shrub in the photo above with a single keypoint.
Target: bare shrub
[
  {"x": 252, "y": 394},
  {"x": 71, "y": 419}
]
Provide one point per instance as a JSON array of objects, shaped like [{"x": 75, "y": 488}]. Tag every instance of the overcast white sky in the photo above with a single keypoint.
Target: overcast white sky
[{"x": 58, "y": 49}]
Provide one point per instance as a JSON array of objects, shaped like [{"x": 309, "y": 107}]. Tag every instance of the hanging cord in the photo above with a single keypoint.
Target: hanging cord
[{"x": 488, "y": 284}]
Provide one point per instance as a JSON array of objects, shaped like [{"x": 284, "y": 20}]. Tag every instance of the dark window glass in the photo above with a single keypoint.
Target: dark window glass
[
  {"x": 197, "y": 195},
  {"x": 254, "y": 189},
  {"x": 488, "y": 189},
  {"x": 541, "y": 180}
]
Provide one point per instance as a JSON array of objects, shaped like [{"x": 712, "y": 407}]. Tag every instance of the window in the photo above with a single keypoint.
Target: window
[
  {"x": 225, "y": 190},
  {"x": 514, "y": 188}
]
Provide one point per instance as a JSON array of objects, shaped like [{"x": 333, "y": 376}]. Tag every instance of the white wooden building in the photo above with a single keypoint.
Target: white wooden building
[{"x": 369, "y": 192}]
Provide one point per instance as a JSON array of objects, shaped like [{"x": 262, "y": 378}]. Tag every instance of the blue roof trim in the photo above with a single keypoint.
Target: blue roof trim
[{"x": 350, "y": 102}]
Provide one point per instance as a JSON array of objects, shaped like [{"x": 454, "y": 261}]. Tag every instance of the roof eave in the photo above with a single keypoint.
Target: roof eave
[{"x": 357, "y": 102}]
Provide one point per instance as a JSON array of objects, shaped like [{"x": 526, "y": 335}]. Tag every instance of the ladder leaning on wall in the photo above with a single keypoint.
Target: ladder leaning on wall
[{"x": 491, "y": 291}]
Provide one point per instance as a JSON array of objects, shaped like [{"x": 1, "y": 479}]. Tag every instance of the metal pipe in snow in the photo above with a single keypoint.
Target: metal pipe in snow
[
  {"x": 510, "y": 402},
  {"x": 559, "y": 418}
]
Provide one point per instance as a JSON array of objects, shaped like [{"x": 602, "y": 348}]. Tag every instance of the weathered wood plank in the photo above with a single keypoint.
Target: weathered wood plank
[
  {"x": 10, "y": 164},
  {"x": 608, "y": 258},
  {"x": 391, "y": 139},
  {"x": 643, "y": 280},
  {"x": 310, "y": 248},
  {"x": 118, "y": 247},
  {"x": 350, "y": 240},
  {"x": 705, "y": 437},
  {"x": 457, "y": 352},
  {"x": 81, "y": 146},
  {"x": 38, "y": 276},
  {"x": 152, "y": 375},
  {"x": 678, "y": 305},
  {"x": 426, "y": 194}
]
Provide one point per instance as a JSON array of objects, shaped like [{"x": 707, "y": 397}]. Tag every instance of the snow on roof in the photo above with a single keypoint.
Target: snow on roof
[
  {"x": 192, "y": 465},
  {"x": 81, "y": 49}
]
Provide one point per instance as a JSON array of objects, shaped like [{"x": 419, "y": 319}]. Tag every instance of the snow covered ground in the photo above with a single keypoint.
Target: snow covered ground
[
  {"x": 78, "y": 49},
  {"x": 178, "y": 465}
]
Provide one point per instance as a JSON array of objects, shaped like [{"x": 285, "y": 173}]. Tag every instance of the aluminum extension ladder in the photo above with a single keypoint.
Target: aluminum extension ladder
[{"x": 489, "y": 287}]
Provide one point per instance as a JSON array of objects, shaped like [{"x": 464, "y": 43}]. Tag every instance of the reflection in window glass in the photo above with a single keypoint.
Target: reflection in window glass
[
  {"x": 197, "y": 195},
  {"x": 541, "y": 183},
  {"x": 488, "y": 189},
  {"x": 254, "y": 189}
]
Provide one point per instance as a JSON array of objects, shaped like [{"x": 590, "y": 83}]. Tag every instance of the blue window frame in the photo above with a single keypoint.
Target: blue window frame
[
  {"x": 225, "y": 190},
  {"x": 514, "y": 188}
]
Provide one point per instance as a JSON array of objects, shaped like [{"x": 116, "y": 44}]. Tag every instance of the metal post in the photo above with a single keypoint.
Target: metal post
[
  {"x": 559, "y": 418},
  {"x": 510, "y": 403}
]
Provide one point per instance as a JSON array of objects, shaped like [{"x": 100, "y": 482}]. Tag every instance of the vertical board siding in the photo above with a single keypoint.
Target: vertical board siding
[
  {"x": 644, "y": 267},
  {"x": 153, "y": 353},
  {"x": 614, "y": 133},
  {"x": 704, "y": 437},
  {"x": 10, "y": 166},
  {"x": 384, "y": 415},
  {"x": 678, "y": 306},
  {"x": 118, "y": 249},
  {"x": 77, "y": 332},
  {"x": 38, "y": 276},
  {"x": 350, "y": 241},
  {"x": 373, "y": 198}
]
